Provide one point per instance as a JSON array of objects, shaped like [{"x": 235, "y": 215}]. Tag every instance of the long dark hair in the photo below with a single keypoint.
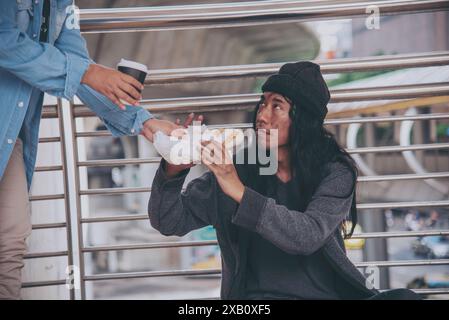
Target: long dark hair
[{"x": 311, "y": 148}]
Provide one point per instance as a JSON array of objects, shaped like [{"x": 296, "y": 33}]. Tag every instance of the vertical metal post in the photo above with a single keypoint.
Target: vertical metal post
[
  {"x": 71, "y": 158},
  {"x": 66, "y": 192}
]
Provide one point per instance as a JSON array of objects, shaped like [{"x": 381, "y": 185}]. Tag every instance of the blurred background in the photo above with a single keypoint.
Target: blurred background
[{"x": 271, "y": 43}]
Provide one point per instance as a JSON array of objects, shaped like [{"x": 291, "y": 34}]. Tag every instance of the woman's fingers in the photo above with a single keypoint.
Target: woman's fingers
[
  {"x": 223, "y": 152},
  {"x": 113, "y": 97},
  {"x": 130, "y": 80},
  {"x": 189, "y": 120},
  {"x": 130, "y": 90},
  {"x": 214, "y": 153},
  {"x": 200, "y": 118},
  {"x": 125, "y": 97},
  {"x": 206, "y": 157}
]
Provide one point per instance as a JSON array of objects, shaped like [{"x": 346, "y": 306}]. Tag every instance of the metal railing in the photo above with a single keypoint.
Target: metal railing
[
  {"x": 240, "y": 14},
  {"x": 231, "y": 15}
]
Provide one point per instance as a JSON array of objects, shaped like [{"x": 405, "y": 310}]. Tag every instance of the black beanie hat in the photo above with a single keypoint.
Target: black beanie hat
[{"x": 303, "y": 83}]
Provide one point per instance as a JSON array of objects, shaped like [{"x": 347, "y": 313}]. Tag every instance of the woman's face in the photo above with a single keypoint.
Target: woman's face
[{"x": 273, "y": 113}]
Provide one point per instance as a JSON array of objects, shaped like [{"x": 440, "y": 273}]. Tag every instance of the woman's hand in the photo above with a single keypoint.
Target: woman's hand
[
  {"x": 215, "y": 156},
  {"x": 113, "y": 84},
  {"x": 172, "y": 170},
  {"x": 151, "y": 126}
]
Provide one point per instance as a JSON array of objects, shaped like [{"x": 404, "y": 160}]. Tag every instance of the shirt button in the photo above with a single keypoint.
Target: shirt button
[
  {"x": 20, "y": 104},
  {"x": 34, "y": 35},
  {"x": 133, "y": 130},
  {"x": 10, "y": 141},
  {"x": 36, "y": 2}
]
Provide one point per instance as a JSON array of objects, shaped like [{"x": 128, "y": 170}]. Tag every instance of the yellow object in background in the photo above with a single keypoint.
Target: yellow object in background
[{"x": 354, "y": 244}]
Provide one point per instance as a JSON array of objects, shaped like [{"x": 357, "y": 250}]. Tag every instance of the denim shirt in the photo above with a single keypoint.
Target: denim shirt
[{"x": 29, "y": 68}]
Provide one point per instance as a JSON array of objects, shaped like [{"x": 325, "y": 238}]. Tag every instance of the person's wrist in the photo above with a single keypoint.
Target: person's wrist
[
  {"x": 172, "y": 170},
  {"x": 150, "y": 124},
  {"x": 88, "y": 74},
  {"x": 237, "y": 191}
]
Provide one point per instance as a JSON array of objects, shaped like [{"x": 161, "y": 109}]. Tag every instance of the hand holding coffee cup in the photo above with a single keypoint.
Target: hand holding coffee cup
[{"x": 113, "y": 84}]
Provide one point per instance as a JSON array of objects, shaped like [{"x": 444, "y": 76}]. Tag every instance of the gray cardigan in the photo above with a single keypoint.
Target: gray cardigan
[{"x": 203, "y": 203}]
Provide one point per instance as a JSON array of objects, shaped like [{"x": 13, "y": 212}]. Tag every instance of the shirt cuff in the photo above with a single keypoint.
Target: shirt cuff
[
  {"x": 76, "y": 67},
  {"x": 142, "y": 115},
  {"x": 250, "y": 209}
]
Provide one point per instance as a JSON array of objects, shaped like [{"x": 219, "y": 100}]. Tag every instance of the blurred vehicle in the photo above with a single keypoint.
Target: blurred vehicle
[
  {"x": 433, "y": 247},
  {"x": 102, "y": 148},
  {"x": 415, "y": 221},
  {"x": 430, "y": 281}
]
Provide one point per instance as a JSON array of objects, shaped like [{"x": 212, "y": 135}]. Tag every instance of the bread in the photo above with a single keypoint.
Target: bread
[{"x": 179, "y": 150}]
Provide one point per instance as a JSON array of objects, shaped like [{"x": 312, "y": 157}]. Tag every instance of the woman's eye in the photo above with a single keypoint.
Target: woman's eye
[{"x": 277, "y": 107}]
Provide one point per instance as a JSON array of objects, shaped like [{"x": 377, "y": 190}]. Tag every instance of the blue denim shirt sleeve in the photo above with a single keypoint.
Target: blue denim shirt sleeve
[
  {"x": 41, "y": 65},
  {"x": 119, "y": 122}
]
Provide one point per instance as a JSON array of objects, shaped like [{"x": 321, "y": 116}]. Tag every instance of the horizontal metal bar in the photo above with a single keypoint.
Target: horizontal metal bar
[
  {"x": 49, "y": 225},
  {"x": 160, "y": 245},
  {"x": 173, "y": 273},
  {"x": 412, "y": 204},
  {"x": 400, "y": 177},
  {"x": 365, "y": 235},
  {"x": 101, "y": 191},
  {"x": 249, "y": 101},
  {"x": 135, "y": 161},
  {"x": 129, "y": 217},
  {"x": 118, "y": 162},
  {"x": 49, "y": 139},
  {"x": 418, "y": 291},
  {"x": 402, "y": 263},
  {"x": 435, "y": 116},
  {"x": 169, "y": 76},
  {"x": 362, "y": 206},
  {"x": 233, "y": 15},
  {"x": 431, "y": 291},
  {"x": 49, "y": 112},
  {"x": 46, "y": 254},
  {"x": 396, "y": 234},
  {"x": 413, "y": 147},
  {"x": 396, "y": 92},
  {"x": 48, "y": 168},
  {"x": 150, "y": 274},
  {"x": 179, "y": 244},
  {"x": 362, "y": 150},
  {"x": 47, "y": 283},
  {"x": 47, "y": 197}
]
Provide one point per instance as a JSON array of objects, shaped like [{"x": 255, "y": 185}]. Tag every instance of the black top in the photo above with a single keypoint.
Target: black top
[
  {"x": 45, "y": 22},
  {"x": 275, "y": 274}
]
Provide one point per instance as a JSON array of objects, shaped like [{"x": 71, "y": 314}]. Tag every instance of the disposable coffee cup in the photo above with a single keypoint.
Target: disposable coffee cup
[{"x": 134, "y": 69}]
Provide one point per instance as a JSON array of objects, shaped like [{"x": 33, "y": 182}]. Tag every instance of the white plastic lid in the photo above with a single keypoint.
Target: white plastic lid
[{"x": 133, "y": 65}]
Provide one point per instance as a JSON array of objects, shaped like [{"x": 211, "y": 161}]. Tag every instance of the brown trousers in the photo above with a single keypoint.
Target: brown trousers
[{"x": 15, "y": 224}]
